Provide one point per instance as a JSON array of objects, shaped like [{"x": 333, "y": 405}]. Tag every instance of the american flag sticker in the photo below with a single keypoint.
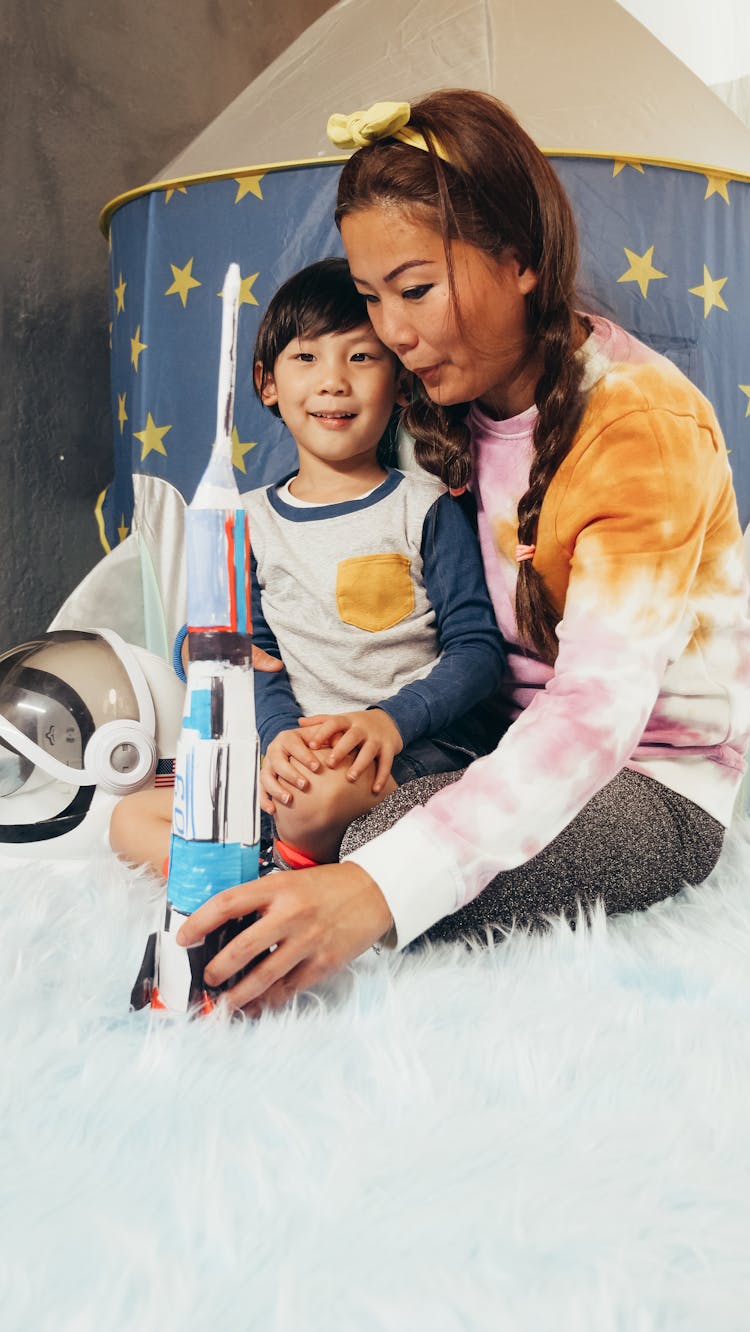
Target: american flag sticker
[{"x": 164, "y": 775}]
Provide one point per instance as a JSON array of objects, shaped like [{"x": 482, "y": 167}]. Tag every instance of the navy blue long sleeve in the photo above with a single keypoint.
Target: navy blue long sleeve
[{"x": 276, "y": 708}]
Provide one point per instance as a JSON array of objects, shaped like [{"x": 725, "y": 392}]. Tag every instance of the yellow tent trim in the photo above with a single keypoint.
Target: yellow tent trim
[
  {"x": 100, "y": 522},
  {"x": 233, "y": 173},
  {"x": 700, "y": 168}
]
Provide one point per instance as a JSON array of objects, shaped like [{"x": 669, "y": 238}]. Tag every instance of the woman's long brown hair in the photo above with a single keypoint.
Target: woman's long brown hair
[{"x": 496, "y": 191}]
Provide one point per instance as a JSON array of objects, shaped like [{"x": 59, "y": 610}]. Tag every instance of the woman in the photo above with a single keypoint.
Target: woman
[{"x": 612, "y": 551}]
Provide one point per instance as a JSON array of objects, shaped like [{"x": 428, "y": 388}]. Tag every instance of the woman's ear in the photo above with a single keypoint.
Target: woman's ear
[
  {"x": 526, "y": 277},
  {"x": 527, "y": 280},
  {"x": 265, "y": 386}
]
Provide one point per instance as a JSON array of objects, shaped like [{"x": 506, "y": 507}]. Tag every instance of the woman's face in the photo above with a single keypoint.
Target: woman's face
[{"x": 399, "y": 265}]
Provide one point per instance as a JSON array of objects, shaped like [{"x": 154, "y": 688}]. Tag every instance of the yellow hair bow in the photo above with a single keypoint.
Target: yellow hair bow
[{"x": 383, "y": 120}]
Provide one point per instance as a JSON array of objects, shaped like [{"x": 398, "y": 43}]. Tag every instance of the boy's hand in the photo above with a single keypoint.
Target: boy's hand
[
  {"x": 263, "y": 661},
  {"x": 372, "y": 733},
  {"x": 277, "y": 763}
]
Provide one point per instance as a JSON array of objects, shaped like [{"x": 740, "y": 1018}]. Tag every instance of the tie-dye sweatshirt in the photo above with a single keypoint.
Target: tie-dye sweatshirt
[{"x": 640, "y": 548}]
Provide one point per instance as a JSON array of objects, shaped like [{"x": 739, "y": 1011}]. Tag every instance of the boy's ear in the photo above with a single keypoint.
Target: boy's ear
[{"x": 265, "y": 386}]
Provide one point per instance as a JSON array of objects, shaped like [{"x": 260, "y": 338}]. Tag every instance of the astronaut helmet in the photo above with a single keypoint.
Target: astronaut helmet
[{"x": 84, "y": 719}]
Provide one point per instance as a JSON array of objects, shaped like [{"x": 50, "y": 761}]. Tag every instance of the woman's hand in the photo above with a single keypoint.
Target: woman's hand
[
  {"x": 316, "y": 920},
  {"x": 277, "y": 765},
  {"x": 372, "y": 733}
]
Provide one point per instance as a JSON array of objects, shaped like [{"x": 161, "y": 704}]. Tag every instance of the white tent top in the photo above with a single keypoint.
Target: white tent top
[{"x": 585, "y": 78}]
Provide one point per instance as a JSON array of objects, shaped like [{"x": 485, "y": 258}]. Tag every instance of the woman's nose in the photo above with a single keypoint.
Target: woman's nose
[{"x": 396, "y": 331}]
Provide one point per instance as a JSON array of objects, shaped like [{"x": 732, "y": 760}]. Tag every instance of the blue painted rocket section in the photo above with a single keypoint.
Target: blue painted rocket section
[
  {"x": 208, "y": 592},
  {"x": 199, "y": 716},
  {"x": 199, "y": 870},
  {"x": 240, "y": 572},
  {"x": 218, "y": 582}
]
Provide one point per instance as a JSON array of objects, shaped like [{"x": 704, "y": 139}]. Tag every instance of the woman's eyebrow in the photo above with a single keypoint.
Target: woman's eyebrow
[
  {"x": 409, "y": 263},
  {"x": 395, "y": 272}
]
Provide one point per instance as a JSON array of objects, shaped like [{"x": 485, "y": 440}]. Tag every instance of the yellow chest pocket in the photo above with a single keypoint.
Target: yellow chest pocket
[{"x": 374, "y": 592}]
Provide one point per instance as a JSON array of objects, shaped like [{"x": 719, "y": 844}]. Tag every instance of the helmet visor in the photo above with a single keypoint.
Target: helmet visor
[{"x": 54, "y": 693}]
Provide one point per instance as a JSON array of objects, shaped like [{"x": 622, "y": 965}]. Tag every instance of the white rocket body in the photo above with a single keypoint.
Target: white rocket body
[{"x": 216, "y": 821}]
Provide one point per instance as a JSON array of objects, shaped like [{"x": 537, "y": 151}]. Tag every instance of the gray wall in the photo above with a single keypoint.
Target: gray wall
[{"x": 96, "y": 96}]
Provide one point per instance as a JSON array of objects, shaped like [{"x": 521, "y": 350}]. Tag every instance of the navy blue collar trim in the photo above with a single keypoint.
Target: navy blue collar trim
[{"x": 319, "y": 512}]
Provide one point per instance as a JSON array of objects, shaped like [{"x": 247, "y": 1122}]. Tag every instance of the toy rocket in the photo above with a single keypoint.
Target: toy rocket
[{"x": 216, "y": 820}]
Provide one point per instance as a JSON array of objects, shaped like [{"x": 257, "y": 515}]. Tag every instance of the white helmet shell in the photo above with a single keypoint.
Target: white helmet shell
[{"x": 84, "y": 719}]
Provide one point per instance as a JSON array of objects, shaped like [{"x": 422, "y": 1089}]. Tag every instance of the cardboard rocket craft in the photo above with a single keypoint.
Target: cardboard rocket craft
[{"x": 216, "y": 819}]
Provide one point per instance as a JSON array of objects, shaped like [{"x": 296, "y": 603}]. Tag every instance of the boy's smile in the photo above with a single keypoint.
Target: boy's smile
[
  {"x": 333, "y": 418},
  {"x": 335, "y": 393}
]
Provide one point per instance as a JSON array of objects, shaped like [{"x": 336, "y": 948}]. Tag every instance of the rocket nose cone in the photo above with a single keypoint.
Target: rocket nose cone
[{"x": 217, "y": 487}]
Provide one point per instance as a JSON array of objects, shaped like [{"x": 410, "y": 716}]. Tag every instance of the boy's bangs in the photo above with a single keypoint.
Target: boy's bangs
[{"x": 339, "y": 314}]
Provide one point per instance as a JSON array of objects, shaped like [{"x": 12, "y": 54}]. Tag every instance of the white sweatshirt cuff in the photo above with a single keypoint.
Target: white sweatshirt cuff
[{"x": 412, "y": 872}]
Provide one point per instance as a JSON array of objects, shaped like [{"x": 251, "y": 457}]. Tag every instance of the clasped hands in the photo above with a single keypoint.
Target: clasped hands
[{"x": 371, "y": 736}]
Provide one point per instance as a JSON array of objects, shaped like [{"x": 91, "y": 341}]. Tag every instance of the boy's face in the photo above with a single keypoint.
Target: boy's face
[{"x": 335, "y": 393}]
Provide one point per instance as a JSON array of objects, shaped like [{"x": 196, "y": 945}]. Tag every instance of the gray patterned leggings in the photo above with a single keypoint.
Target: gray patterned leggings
[{"x": 634, "y": 843}]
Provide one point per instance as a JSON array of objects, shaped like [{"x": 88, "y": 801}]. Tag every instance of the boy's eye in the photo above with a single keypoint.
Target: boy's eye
[
  {"x": 304, "y": 356},
  {"x": 363, "y": 356},
  {"x": 415, "y": 293}
]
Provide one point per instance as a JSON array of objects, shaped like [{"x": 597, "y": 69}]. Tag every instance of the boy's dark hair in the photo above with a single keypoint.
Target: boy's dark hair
[{"x": 317, "y": 300}]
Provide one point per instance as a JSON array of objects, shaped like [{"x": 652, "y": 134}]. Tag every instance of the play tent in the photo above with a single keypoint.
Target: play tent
[{"x": 657, "y": 166}]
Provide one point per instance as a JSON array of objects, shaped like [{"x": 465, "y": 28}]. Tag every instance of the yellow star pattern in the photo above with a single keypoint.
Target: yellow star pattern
[
  {"x": 620, "y": 164},
  {"x": 123, "y": 529},
  {"x": 176, "y": 189},
  {"x": 136, "y": 347},
  {"x": 152, "y": 438},
  {"x": 183, "y": 282},
  {"x": 717, "y": 185},
  {"x": 248, "y": 185},
  {"x": 246, "y": 290},
  {"x": 239, "y": 450},
  {"x": 641, "y": 270},
  {"x": 710, "y": 292},
  {"x": 122, "y": 415},
  {"x": 746, "y": 390},
  {"x": 120, "y": 294}
]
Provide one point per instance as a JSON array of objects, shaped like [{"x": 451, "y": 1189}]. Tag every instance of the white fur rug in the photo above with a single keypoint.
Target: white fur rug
[{"x": 552, "y": 1136}]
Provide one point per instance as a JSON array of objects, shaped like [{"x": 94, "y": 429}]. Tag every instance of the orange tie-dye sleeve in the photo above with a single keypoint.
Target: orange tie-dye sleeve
[{"x": 633, "y": 510}]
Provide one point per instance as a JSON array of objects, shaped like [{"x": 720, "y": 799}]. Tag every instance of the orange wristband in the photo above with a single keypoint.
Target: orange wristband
[{"x": 292, "y": 857}]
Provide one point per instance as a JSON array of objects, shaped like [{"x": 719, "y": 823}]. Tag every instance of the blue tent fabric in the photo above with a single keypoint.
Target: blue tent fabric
[
  {"x": 698, "y": 312},
  {"x": 663, "y": 252}
]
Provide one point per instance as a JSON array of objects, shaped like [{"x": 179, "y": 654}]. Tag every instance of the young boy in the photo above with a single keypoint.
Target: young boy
[{"x": 367, "y": 583}]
